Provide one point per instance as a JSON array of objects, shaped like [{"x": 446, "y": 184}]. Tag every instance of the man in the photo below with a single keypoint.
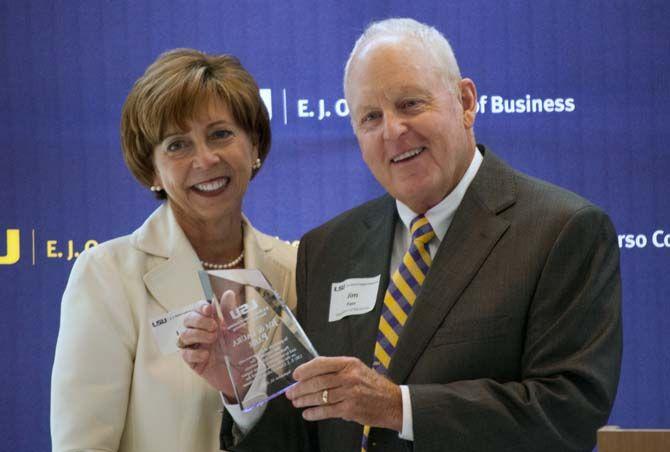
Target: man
[{"x": 497, "y": 323}]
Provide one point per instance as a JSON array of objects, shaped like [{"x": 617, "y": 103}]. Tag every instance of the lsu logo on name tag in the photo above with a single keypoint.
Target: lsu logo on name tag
[
  {"x": 353, "y": 296},
  {"x": 167, "y": 327}
]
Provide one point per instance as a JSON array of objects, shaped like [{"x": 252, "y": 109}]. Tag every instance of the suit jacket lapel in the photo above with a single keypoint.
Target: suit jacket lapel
[
  {"x": 474, "y": 231},
  {"x": 371, "y": 257},
  {"x": 173, "y": 281},
  {"x": 258, "y": 254}
]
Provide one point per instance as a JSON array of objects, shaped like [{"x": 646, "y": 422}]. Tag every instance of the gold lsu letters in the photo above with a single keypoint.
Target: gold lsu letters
[{"x": 13, "y": 248}]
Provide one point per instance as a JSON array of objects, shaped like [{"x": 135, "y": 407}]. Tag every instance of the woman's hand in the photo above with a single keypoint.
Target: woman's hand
[{"x": 205, "y": 343}]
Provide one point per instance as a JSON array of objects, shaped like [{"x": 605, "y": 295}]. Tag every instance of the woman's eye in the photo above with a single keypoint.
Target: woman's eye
[
  {"x": 221, "y": 134},
  {"x": 175, "y": 146}
]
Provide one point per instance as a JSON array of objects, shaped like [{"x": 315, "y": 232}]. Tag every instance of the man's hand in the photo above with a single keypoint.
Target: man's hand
[{"x": 355, "y": 393}]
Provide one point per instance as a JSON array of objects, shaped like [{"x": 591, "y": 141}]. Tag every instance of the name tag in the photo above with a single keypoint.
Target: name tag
[
  {"x": 354, "y": 296},
  {"x": 167, "y": 328}
]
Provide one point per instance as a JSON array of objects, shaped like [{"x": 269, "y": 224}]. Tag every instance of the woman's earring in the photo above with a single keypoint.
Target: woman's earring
[
  {"x": 155, "y": 188},
  {"x": 256, "y": 165}
]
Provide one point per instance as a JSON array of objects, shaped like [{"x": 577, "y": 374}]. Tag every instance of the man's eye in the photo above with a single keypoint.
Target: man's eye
[
  {"x": 370, "y": 117},
  {"x": 410, "y": 103}
]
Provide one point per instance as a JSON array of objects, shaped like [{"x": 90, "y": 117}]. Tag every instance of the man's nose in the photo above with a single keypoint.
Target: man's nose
[
  {"x": 394, "y": 126},
  {"x": 205, "y": 157}
]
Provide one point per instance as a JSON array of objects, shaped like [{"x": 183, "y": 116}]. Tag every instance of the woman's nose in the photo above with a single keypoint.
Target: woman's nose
[{"x": 205, "y": 157}]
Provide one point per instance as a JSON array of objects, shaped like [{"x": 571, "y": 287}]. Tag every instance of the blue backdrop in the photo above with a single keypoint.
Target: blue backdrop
[{"x": 599, "y": 69}]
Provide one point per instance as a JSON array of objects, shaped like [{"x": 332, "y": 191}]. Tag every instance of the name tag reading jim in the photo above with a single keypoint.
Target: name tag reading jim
[{"x": 354, "y": 296}]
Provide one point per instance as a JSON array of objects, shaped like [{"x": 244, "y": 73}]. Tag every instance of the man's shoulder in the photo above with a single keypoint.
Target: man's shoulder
[
  {"x": 528, "y": 192},
  {"x": 549, "y": 198},
  {"x": 349, "y": 220}
]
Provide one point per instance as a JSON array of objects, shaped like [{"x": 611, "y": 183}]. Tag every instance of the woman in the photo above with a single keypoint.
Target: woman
[{"x": 194, "y": 130}]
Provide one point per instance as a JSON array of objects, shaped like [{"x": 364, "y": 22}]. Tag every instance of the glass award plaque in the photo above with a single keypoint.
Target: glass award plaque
[{"x": 260, "y": 342}]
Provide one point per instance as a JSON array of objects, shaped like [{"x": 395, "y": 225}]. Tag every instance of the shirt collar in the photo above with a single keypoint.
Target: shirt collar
[{"x": 440, "y": 215}]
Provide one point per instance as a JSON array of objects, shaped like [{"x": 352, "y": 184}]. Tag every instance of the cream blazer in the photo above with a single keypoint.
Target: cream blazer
[{"x": 111, "y": 388}]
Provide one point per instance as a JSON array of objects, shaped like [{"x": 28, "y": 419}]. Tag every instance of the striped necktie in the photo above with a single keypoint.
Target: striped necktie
[{"x": 402, "y": 291}]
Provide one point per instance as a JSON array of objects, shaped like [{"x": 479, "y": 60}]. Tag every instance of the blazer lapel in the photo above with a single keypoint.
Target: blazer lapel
[
  {"x": 371, "y": 257},
  {"x": 173, "y": 281},
  {"x": 474, "y": 231},
  {"x": 258, "y": 254}
]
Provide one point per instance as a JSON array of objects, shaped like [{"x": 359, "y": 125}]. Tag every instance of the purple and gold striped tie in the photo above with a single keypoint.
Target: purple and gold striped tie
[{"x": 402, "y": 291}]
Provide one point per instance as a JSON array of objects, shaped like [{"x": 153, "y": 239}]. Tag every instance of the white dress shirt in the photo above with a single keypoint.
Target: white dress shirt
[{"x": 439, "y": 217}]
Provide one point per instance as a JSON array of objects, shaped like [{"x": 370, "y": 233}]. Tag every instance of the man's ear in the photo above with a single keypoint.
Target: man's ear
[{"x": 468, "y": 92}]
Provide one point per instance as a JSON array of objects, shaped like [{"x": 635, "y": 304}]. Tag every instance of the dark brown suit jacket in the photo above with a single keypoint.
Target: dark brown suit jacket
[{"x": 514, "y": 342}]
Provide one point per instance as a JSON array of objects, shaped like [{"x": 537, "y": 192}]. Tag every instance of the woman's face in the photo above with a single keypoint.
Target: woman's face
[{"x": 205, "y": 170}]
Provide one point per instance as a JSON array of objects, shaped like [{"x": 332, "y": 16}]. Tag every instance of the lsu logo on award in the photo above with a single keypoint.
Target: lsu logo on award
[
  {"x": 13, "y": 254},
  {"x": 244, "y": 309}
]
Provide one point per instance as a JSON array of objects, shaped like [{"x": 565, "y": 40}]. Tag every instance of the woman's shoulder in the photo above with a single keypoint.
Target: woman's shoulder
[
  {"x": 130, "y": 250},
  {"x": 118, "y": 253},
  {"x": 282, "y": 251}
]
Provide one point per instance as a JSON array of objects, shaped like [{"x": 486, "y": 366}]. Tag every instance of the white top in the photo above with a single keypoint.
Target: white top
[{"x": 439, "y": 217}]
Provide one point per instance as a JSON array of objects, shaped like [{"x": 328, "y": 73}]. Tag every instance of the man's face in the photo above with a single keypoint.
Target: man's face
[{"x": 413, "y": 130}]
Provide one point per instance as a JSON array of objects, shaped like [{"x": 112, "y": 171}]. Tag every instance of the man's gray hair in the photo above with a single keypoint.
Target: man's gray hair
[{"x": 426, "y": 36}]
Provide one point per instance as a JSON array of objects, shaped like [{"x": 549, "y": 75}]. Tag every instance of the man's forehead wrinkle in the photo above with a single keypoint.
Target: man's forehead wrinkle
[
  {"x": 391, "y": 93},
  {"x": 396, "y": 62},
  {"x": 369, "y": 97}
]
